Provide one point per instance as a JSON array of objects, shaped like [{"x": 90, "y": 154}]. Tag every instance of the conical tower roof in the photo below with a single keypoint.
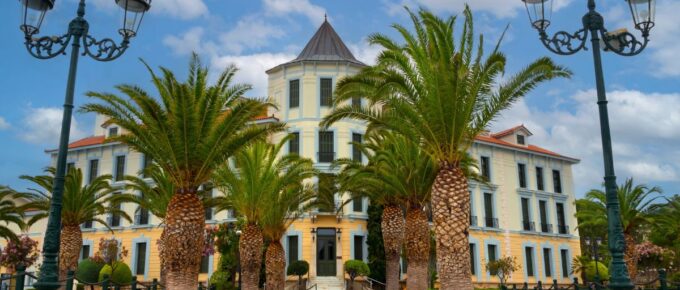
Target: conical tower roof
[{"x": 325, "y": 45}]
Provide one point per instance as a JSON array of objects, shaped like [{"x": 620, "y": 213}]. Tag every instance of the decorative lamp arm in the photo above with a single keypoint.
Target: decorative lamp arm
[
  {"x": 105, "y": 49},
  {"x": 623, "y": 42},
  {"x": 47, "y": 47},
  {"x": 562, "y": 41}
]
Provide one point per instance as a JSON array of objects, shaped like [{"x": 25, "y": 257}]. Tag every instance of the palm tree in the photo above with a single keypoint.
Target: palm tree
[
  {"x": 11, "y": 213},
  {"x": 441, "y": 93},
  {"x": 189, "y": 131},
  {"x": 269, "y": 193},
  {"x": 81, "y": 203},
  {"x": 635, "y": 202}
]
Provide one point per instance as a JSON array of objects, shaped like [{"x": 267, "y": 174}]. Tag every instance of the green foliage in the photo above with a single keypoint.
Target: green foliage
[
  {"x": 10, "y": 212},
  {"x": 88, "y": 271},
  {"x": 376, "y": 249},
  {"x": 591, "y": 271},
  {"x": 674, "y": 278},
  {"x": 221, "y": 280},
  {"x": 121, "y": 273},
  {"x": 355, "y": 268},
  {"x": 503, "y": 268},
  {"x": 298, "y": 268}
]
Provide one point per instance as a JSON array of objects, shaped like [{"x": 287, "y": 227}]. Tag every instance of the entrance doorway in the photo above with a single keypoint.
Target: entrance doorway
[{"x": 325, "y": 252}]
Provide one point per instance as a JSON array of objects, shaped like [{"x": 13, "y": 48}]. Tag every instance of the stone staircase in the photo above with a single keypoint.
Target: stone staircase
[{"x": 327, "y": 283}]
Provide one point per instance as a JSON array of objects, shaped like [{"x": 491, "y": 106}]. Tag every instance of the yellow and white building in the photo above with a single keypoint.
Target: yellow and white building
[{"x": 527, "y": 210}]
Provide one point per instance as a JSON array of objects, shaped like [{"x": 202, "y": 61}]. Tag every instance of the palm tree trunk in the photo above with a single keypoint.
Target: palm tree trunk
[
  {"x": 630, "y": 256},
  {"x": 183, "y": 240},
  {"x": 69, "y": 249},
  {"x": 417, "y": 239},
  {"x": 451, "y": 212},
  {"x": 275, "y": 263},
  {"x": 393, "y": 237},
  {"x": 250, "y": 249}
]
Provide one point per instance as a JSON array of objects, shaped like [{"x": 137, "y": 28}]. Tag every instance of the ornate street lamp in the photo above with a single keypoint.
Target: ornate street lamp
[
  {"x": 594, "y": 243},
  {"x": 622, "y": 43},
  {"x": 45, "y": 47}
]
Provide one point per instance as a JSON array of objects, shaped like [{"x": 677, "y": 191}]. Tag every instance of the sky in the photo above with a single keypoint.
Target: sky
[{"x": 643, "y": 91}]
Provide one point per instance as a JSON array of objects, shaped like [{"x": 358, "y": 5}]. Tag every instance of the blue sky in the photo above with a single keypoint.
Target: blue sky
[{"x": 644, "y": 91}]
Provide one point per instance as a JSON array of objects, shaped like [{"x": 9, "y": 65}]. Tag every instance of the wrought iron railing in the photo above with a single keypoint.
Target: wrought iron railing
[
  {"x": 563, "y": 229},
  {"x": 546, "y": 228},
  {"x": 491, "y": 222},
  {"x": 528, "y": 226},
  {"x": 660, "y": 283},
  {"x": 326, "y": 157},
  {"x": 473, "y": 220}
]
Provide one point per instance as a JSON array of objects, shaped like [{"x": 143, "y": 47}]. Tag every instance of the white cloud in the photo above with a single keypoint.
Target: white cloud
[
  {"x": 186, "y": 43},
  {"x": 4, "y": 124},
  {"x": 664, "y": 39},
  {"x": 182, "y": 9},
  {"x": 508, "y": 9},
  {"x": 644, "y": 132},
  {"x": 252, "y": 68},
  {"x": 283, "y": 7},
  {"x": 365, "y": 52},
  {"x": 43, "y": 126},
  {"x": 250, "y": 32}
]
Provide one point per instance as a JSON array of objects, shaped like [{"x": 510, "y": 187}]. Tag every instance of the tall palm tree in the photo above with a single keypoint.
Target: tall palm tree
[
  {"x": 11, "y": 213},
  {"x": 81, "y": 203},
  {"x": 269, "y": 193},
  {"x": 441, "y": 92},
  {"x": 191, "y": 129},
  {"x": 635, "y": 202}
]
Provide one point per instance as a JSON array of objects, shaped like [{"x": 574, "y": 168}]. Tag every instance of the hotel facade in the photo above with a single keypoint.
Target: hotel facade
[{"x": 525, "y": 211}]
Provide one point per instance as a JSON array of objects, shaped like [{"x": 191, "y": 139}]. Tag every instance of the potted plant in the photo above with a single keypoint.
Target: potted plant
[
  {"x": 356, "y": 268},
  {"x": 298, "y": 268}
]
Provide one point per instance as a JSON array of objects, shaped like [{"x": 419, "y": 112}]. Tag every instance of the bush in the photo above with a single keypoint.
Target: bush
[
  {"x": 220, "y": 280},
  {"x": 88, "y": 271},
  {"x": 602, "y": 269},
  {"x": 675, "y": 277},
  {"x": 298, "y": 268},
  {"x": 356, "y": 268},
  {"x": 121, "y": 273}
]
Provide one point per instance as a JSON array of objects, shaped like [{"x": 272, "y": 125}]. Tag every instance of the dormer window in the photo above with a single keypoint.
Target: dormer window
[
  {"x": 113, "y": 132},
  {"x": 520, "y": 140}
]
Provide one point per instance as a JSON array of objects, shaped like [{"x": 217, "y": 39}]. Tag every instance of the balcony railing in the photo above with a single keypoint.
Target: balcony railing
[
  {"x": 142, "y": 218},
  {"x": 113, "y": 220},
  {"x": 546, "y": 228},
  {"x": 473, "y": 220},
  {"x": 528, "y": 226},
  {"x": 563, "y": 229},
  {"x": 491, "y": 222},
  {"x": 326, "y": 157}
]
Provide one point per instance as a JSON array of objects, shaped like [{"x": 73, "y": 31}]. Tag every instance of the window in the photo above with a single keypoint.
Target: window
[
  {"x": 490, "y": 221},
  {"x": 359, "y": 248},
  {"x": 87, "y": 225},
  {"x": 557, "y": 181},
  {"x": 70, "y": 166},
  {"x": 520, "y": 139},
  {"x": 142, "y": 216},
  {"x": 85, "y": 252},
  {"x": 561, "y": 221},
  {"x": 485, "y": 167},
  {"x": 209, "y": 210},
  {"x": 326, "y": 92},
  {"x": 356, "y": 102},
  {"x": 292, "y": 249},
  {"x": 148, "y": 160},
  {"x": 94, "y": 170},
  {"x": 522, "y": 173},
  {"x": 140, "y": 262},
  {"x": 564, "y": 257},
  {"x": 115, "y": 217},
  {"x": 356, "y": 151},
  {"x": 529, "y": 255},
  {"x": 547, "y": 257},
  {"x": 539, "y": 178},
  {"x": 294, "y": 143},
  {"x": 491, "y": 253},
  {"x": 294, "y": 93},
  {"x": 326, "y": 146},
  {"x": 358, "y": 204},
  {"x": 526, "y": 217},
  {"x": 473, "y": 266},
  {"x": 113, "y": 132},
  {"x": 205, "y": 264},
  {"x": 120, "y": 167},
  {"x": 543, "y": 211}
]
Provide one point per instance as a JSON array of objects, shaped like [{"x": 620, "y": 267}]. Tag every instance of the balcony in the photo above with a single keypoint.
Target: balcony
[
  {"x": 546, "y": 228},
  {"x": 142, "y": 217},
  {"x": 528, "y": 226},
  {"x": 491, "y": 222},
  {"x": 473, "y": 220},
  {"x": 562, "y": 229},
  {"x": 113, "y": 220},
  {"x": 326, "y": 157}
]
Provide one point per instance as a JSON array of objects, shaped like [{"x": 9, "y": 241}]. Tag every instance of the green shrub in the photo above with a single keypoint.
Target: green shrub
[
  {"x": 88, "y": 271},
  {"x": 355, "y": 268},
  {"x": 675, "y": 277},
  {"x": 602, "y": 269},
  {"x": 220, "y": 279},
  {"x": 121, "y": 273},
  {"x": 298, "y": 268}
]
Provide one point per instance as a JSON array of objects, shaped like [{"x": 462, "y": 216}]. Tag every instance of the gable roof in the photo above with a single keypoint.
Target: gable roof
[
  {"x": 511, "y": 131},
  {"x": 325, "y": 45}
]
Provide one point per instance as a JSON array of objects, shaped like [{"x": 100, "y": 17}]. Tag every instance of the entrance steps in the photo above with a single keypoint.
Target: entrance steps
[{"x": 327, "y": 283}]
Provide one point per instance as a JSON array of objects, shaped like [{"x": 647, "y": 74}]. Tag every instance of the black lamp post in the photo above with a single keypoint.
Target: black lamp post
[
  {"x": 622, "y": 43},
  {"x": 594, "y": 244},
  {"x": 33, "y": 14},
  {"x": 238, "y": 254}
]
